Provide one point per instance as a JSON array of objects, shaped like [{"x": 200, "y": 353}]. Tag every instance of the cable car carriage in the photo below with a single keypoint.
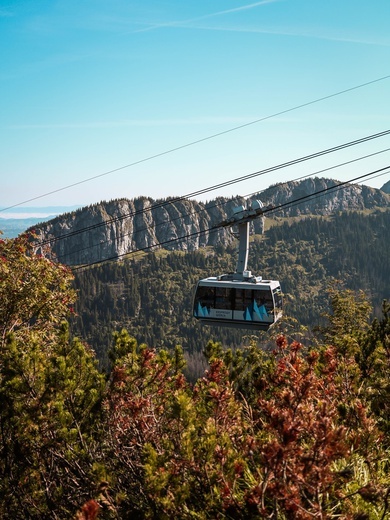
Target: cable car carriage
[{"x": 239, "y": 299}]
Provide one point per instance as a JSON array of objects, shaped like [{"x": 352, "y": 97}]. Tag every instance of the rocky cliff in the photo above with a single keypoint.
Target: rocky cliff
[
  {"x": 113, "y": 229},
  {"x": 328, "y": 199}
]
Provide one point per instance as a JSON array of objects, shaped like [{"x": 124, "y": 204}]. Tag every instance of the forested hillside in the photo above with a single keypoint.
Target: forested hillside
[{"x": 151, "y": 295}]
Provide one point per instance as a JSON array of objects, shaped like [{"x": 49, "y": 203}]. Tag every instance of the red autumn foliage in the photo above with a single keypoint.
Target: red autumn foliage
[{"x": 89, "y": 511}]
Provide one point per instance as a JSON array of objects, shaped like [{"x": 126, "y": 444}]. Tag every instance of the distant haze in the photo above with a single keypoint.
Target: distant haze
[
  {"x": 22, "y": 212},
  {"x": 14, "y": 221}
]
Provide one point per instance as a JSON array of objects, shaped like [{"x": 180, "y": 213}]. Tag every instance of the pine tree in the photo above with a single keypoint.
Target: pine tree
[{"x": 50, "y": 391}]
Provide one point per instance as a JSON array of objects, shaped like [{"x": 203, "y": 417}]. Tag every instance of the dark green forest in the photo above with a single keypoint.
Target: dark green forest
[{"x": 151, "y": 294}]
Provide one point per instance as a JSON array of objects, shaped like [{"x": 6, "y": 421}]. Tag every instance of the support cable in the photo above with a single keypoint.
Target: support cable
[
  {"x": 222, "y": 185},
  {"x": 213, "y": 229},
  {"x": 198, "y": 141},
  {"x": 216, "y": 205}
]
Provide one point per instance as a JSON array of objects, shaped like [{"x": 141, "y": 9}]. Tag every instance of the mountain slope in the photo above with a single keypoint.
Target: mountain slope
[
  {"x": 118, "y": 227},
  {"x": 151, "y": 296}
]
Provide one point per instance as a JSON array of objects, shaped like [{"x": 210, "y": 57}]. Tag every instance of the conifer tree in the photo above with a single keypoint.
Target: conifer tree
[{"x": 50, "y": 390}]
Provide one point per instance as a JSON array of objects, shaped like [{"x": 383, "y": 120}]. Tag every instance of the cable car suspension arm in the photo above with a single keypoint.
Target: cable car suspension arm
[{"x": 241, "y": 218}]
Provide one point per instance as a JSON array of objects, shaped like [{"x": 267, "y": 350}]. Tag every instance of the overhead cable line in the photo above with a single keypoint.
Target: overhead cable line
[
  {"x": 323, "y": 170},
  {"x": 321, "y": 193},
  {"x": 198, "y": 141},
  {"x": 215, "y": 205},
  {"x": 213, "y": 229},
  {"x": 223, "y": 185}
]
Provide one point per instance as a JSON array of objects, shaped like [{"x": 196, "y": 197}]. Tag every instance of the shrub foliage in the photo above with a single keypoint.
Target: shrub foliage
[{"x": 299, "y": 432}]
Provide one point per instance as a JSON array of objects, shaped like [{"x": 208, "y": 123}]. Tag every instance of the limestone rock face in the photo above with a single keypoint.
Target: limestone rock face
[
  {"x": 109, "y": 230},
  {"x": 329, "y": 197},
  {"x": 113, "y": 229}
]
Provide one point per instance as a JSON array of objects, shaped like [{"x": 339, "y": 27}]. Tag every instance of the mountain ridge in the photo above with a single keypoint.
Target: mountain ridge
[{"x": 118, "y": 227}]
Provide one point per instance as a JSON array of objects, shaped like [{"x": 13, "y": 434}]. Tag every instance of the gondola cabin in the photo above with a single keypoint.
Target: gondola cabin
[
  {"x": 251, "y": 304},
  {"x": 239, "y": 299}
]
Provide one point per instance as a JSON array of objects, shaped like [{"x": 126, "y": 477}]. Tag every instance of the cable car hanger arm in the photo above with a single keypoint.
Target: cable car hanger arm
[{"x": 241, "y": 218}]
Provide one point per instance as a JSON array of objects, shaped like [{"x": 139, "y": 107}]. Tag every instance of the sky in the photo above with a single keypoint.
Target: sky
[{"x": 103, "y": 99}]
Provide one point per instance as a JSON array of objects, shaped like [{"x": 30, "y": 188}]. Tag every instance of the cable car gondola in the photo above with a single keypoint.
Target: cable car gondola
[
  {"x": 251, "y": 304},
  {"x": 239, "y": 299}
]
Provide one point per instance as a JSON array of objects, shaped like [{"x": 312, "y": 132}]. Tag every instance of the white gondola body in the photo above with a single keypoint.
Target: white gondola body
[{"x": 255, "y": 304}]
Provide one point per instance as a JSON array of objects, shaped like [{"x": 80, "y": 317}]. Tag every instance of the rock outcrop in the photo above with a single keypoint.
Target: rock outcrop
[{"x": 294, "y": 198}]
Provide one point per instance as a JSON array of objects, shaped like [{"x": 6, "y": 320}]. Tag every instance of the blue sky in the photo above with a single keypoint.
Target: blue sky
[{"x": 90, "y": 86}]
